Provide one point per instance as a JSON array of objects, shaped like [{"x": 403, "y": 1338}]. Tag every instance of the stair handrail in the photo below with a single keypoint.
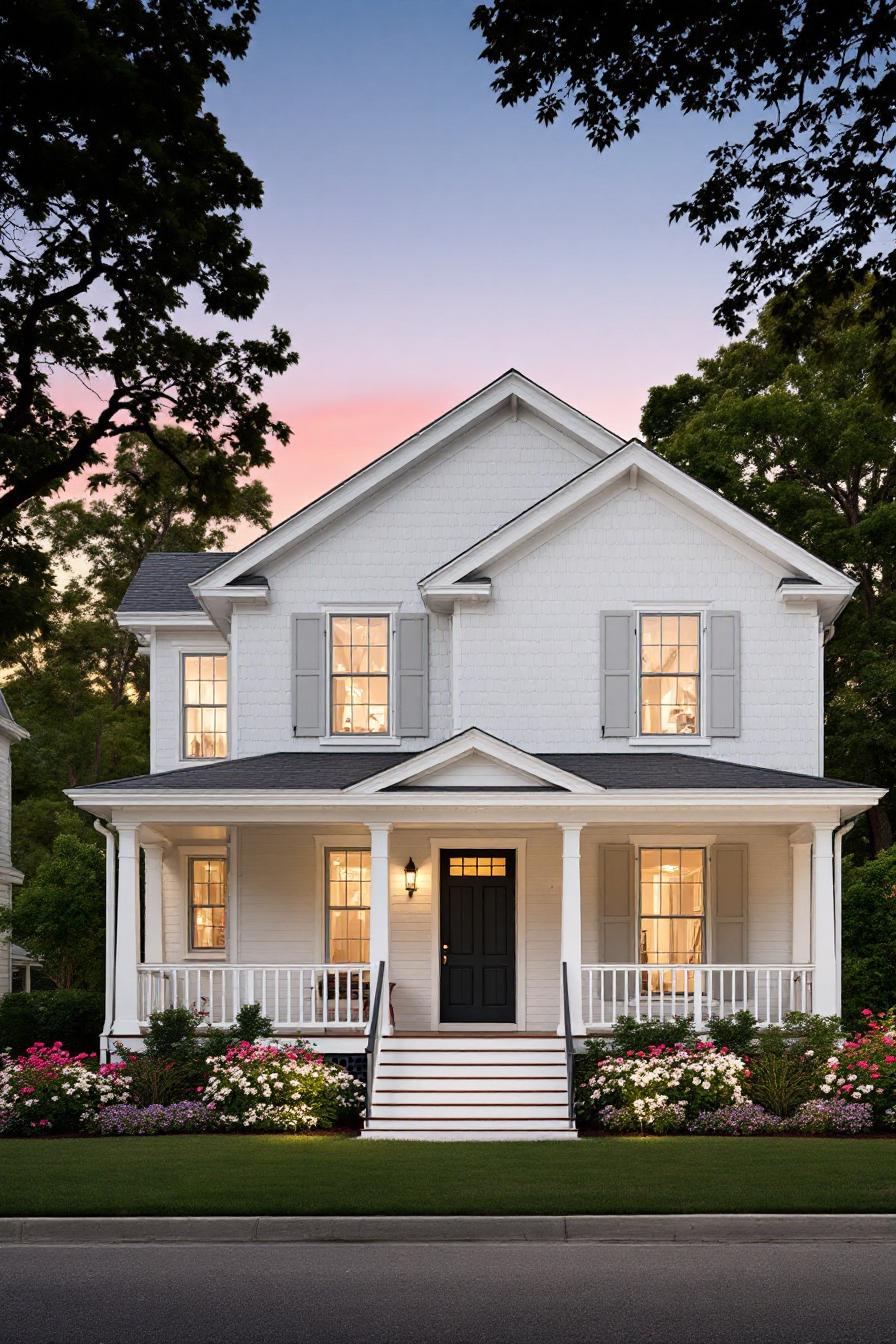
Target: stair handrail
[
  {"x": 570, "y": 1050},
  {"x": 373, "y": 1032}
]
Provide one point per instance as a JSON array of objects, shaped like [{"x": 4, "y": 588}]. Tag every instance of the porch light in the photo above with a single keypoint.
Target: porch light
[{"x": 410, "y": 877}]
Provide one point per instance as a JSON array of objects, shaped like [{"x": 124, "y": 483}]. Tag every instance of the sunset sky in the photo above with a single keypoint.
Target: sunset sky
[{"x": 420, "y": 240}]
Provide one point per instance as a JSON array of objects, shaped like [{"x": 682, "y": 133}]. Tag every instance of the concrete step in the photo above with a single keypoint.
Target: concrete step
[
  {"x": 459, "y": 1055},
  {"x": 461, "y": 1081},
  {"x": 490, "y": 1073},
  {"x": 472, "y": 1042},
  {"x": 486, "y": 1110},
  {"x": 425, "y": 1124}
]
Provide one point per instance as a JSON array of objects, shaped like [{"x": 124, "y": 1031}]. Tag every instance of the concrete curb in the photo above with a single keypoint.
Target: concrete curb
[{"x": 632, "y": 1229}]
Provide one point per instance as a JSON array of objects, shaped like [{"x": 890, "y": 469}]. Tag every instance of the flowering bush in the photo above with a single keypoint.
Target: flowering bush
[
  {"x": 864, "y": 1069},
  {"x": 644, "y": 1083},
  {"x": 654, "y": 1115},
  {"x": 47, "y": 1089},
  {"x": 831, "y": 1117},
  {"x": 742, "y": 1118},
  {"x": 265, "y": 1087},
  {"x": 182, "y": 1117}
]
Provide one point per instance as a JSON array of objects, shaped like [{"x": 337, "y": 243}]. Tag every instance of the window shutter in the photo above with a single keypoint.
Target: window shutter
[
  {"x": 412, "y": 711},
  {"x": 617, "y": 673},
  {"x": 309, "y": 699},
  {"x": 616, "y": 905},
  {"x": 723, "y": 674},
  {"x": 729, "y": 926}
]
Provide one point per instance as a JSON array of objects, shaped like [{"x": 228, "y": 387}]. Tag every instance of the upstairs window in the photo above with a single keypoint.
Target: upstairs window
[
  {"x": 205, "y": 706},
  {"x": 359, "y": 674},
  {"x": 670, "y": 675},
  {"x": 208, "y": 904}
]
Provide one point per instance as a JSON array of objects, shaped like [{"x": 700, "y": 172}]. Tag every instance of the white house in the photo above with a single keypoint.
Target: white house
[
  {"x": 517, "y": 705},
  {"x": 10, "y": 877}
]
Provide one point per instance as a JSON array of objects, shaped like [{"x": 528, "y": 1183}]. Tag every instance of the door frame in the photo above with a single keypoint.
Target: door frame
[{"x": 484, "y": 844}]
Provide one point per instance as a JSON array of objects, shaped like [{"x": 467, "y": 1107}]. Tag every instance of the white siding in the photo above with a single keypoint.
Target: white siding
[{"x": 168, "y": 648}]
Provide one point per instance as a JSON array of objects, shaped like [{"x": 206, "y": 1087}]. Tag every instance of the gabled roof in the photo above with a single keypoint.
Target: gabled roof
[
  {"x": 630, "y": 462},
  {"x": 8, "y": 726},
  {"x": 511, "y": 389},
  {"x": 162, "y": 583}
]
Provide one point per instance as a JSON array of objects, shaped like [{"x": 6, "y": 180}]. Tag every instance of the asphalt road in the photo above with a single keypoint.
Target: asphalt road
[{"x": 491, "y": 1293}]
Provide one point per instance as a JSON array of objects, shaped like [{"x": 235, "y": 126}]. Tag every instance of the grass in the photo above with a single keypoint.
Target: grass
[{"x": 283, "y": 1174}]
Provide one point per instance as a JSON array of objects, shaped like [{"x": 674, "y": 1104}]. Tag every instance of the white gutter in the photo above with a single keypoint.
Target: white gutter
[{"x": 109, "y": 1017}]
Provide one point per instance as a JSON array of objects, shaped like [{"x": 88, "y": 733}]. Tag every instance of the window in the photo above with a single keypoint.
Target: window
[
  {"x": 208, "y": 904},
  {"x": 348, "y": 906},
  {"x": 477, "y": 865},
  {"x": 670, "y": 674},
  {"x": 672, "y": 912},
  {"x": 205, "y": 705},
  {"x": 359, "y": 674}
]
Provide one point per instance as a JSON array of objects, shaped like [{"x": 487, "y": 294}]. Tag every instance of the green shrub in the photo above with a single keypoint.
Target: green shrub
[
  {"x": 737, "y": 1032},
  {"x": 788, "y": 1063},
  {"x": 249, "y": 1026},
  {"x": 629, "y": 1034},
  {"x": 173, "y": 1034},
  {"x": 72, "y": 1016}
]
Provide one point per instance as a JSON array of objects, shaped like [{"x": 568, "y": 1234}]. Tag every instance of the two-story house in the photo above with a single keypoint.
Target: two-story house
[{"x": 519, "y": 722}]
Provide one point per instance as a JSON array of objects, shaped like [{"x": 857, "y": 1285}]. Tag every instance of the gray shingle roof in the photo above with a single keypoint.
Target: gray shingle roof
[
  {"x": 161, "y": 582},
  {"x": 297, "y": 770},
  {"x": 5, "y": 711}
]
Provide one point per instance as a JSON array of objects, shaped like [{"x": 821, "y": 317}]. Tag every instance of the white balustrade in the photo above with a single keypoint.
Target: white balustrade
[
  {"x": 660, "y": 992},
  {"x": 295, "y": 998}
]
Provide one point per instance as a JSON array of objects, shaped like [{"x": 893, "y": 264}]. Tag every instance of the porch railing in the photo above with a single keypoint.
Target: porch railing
[
  {"x": 657, "y": 993},
  {"x": 295, "y": 998}
]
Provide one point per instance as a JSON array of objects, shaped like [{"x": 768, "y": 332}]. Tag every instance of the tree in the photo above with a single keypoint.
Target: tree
[
  {"x": 82, "y": 690},
  {"x": 119, "y": 201},
  {"x": 802, "y": 439},
  {"x": 806, "y": 196},
  {"x": 869, "y": 936},
  {"x": 60, "y": 914}
]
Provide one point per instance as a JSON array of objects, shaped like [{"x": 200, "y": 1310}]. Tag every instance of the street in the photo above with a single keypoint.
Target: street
[{"x": 485, "y": 1292}]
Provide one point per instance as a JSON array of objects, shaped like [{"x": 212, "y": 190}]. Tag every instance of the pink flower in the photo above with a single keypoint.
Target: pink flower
[{"x": 866, "y": 1012}]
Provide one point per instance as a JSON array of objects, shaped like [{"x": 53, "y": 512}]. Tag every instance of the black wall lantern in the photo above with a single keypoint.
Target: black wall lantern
[{"x": 410, "y": 877}]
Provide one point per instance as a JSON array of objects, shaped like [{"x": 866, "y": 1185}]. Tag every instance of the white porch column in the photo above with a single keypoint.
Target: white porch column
[
  {"x": 824, "y": 929},
  {"x": 127, "y": 940},
  {"x": 152, "y": 898},
  {"x": 571, "y": 926},
  {"x": 379, "y": 914},
  {"x": 801, "y": 889}
]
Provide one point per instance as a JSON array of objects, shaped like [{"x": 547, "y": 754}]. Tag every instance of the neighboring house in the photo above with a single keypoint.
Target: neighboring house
[
  {"x": 9, "y": 877},
  {"x": 516, "y": 699}
]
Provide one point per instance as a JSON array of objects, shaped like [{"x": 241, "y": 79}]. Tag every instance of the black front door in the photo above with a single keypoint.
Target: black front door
[{"x": 477, "y": 943}]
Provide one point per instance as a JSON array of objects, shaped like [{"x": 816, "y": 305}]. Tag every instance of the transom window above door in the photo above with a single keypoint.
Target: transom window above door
[
  {"x": 670, "y": 674},
  {"x": 672, "y": 917},
  {"x": 205, "y": 706},
  {"x": 477, "y": 865},
  {"x": 359, "y": 674}
]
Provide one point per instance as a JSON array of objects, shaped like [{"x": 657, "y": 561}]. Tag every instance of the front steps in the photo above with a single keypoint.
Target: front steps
[{"x": 473, "y": 1086}]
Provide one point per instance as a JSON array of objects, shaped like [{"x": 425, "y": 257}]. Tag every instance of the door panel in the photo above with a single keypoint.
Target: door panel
[{"x": 477, "y": 943}]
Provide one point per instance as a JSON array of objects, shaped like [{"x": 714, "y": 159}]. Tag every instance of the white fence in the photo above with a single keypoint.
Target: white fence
[
  {"x": 657, "y": 993},
  {"x": 295, "y": 998}
]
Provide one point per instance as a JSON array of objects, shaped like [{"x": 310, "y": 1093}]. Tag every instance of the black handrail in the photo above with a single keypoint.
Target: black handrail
[
  {"x": 570, "y": 1052},
  {"x": 373, "y": 1033}
]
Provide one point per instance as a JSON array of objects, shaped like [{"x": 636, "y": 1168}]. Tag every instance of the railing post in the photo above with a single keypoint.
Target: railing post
[{"x": 698, "y": 998}]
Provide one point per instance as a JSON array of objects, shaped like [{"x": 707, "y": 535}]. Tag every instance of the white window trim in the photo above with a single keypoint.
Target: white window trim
[
  {"x": 213, "y": 849},
  {"x": 348, "y": 609},
  {"x": 668, "y": 842},
  {"x": 323, "y": 842},
  {"x": 659, "y": 740},
  {"x": 190, "y": 650}
]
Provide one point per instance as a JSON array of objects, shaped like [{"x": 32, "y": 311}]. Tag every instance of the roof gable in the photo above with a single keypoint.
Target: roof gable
[
  {"x": 626, "y": 466},
  {"x": 512, "y": 390}
]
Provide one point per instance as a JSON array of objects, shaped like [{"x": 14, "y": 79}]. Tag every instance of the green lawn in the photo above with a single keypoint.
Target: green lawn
[{"x": 280, "y": 1174}]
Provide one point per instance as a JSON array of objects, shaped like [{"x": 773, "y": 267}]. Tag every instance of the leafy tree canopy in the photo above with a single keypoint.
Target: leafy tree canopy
[
  {"x": 806, "y": 195},
  {"x": 869, "y": 936},
  {"x": 802, "y": 439},
  {"x": 60, "y": 914},
  {"x": 119, "y": 201}
]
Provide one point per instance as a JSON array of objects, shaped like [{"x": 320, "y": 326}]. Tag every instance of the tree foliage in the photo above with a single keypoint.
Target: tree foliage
[
  {"x": 869, "y": 936},
  {"x": 60, "y": 914},
  {"x": 801, "y": 438},
  {"x": 806, "y": 193},
  {"x": 119, "y": 202}
]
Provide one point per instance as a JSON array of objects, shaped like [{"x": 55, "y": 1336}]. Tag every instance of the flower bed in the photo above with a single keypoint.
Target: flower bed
[
  {"x": 181, "y": 1117},
  {"x": 261, "y": 1087},
  {"x": 865, "y": 1068},
  {"x": 660, "y": 1089},
  {"x": 47, "y": 1090}
]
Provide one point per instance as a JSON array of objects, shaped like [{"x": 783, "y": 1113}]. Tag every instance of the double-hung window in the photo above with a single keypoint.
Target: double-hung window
[
  {"x": 348, "y": 906},
  {"x": 670, "y": 675},
  {"x": 208, "y": 904},
  {"x": 359, "y": 675},
  {"x": 672, "y": 912},
  {"x": 204, "y": 706}
]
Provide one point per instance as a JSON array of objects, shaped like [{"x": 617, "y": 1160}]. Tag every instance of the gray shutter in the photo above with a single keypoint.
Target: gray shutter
[
  {"x": 617, "y": 674},
  {"x": 412, "y": 708},
  {"x": 723, "y": 674},
  {"x": 616, "y": 905},
  {"x": 309, "y": 698},
  {"x": 729, "y": 929}
]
